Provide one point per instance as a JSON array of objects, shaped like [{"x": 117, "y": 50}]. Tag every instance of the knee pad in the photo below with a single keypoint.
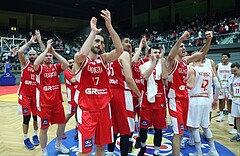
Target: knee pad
[
  {"x": 207, "y": 133},
  {"x": 196, "y": 135},
  {"x": 26, "y": 119}
]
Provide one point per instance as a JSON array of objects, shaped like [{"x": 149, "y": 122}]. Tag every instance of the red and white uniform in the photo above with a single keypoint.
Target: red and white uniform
[
  {"x": 178, "y": 96},
  {"x": 71, "y": 89},
  {"x": 224, "y": 72},
  {"x": 27, "y": 91},
  {"x": 236, "y": 97},
  {"x": 138, "y": 80},
  {"x": 153, "y": 113},
  {"x": 49, "y": 95},
  {"x": 93, "y": 95},
  {"x": 200, "y": 101},
  {"x": 122, "y": 101}
]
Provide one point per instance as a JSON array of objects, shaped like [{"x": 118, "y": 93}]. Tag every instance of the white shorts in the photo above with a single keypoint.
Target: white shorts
[
  {"x": 225, "y": 94},
  {"x": 235, "y": 111},
  {"x": 199, "y": 112}
]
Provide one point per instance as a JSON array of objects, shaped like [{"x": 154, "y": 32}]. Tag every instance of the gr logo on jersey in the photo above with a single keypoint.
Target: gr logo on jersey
[{"x": 95, "y": 91}]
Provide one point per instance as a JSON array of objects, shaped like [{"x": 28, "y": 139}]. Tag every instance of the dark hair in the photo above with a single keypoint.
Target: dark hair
[
  {"x": 155, "y": 47},
  {"x": 235, "y": 64},
  {"x": 226, "y": 54},
  {"x": 104, "y": 37},
  {"x": 123, "y": 35}
]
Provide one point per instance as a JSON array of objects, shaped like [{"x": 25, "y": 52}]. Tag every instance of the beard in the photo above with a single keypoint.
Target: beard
[
  {"x": 96, "y": 50},
  {"x": 70, "y": 66},
  {"x": 32, "y": 60}
]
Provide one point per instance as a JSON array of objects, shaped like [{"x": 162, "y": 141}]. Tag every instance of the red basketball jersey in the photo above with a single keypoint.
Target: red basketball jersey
[
  {"x": 28, "y": 81},
  {"x": 70, "y": 87},
  {"x": 48, "y": 85},
  {"x": 136, "y": 73},
  {"x": 177, "y": 80},
  {"x": 159, "y": 98},
  {"x": 116, "y": 76},
  {"x": 93, "y": 92}
]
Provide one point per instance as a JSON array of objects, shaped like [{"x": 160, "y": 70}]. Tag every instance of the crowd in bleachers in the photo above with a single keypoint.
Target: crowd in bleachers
[{"x": 227, "y": 30}]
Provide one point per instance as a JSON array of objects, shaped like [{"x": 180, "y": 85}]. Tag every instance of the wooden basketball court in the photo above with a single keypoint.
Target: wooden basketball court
[{"x": 11, "y": 137}]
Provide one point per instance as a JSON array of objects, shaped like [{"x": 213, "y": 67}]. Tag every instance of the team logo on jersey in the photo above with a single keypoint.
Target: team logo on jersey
[
  {"x": 45, "y": 122},
  {"x": 144, "y": 123},
  {"x": 182, "y": 127},
  {"x": 25, "y": 110},
  {"x": 88, "y": 143}
]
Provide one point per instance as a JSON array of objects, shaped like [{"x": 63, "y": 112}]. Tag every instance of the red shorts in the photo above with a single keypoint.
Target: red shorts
[
  {"x": 122, "y": 112},
  {"x": 72, "y": 108},
  {"x": 178, "y": 110},
  {"x": 153, "y": 117},
  {"x": 27, "y": 105},
  {"x": 94, "y": 126},
  {"x": 51, "y": 115}
]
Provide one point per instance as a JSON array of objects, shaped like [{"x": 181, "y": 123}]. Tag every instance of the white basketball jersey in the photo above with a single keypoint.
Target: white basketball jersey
[
  {"x": 203, "y": 82},
  {"x": 207, "y": 63},
  {"x": 236, "y": 90},
  {"x": 224, "y": 72}
]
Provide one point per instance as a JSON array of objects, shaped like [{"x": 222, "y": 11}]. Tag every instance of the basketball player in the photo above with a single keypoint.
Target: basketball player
[
  {"x": 93, "y": 93},
  {"x": 27, "y": 90},
  {"x": 177, "y": 91},
  {"x": 122, "y": 109},
  {"x": 200, "y": 84},
  {"x": 71, "y": 85},
  {"x": 153, "y": 105},
  {"x": 224, "y": 72},
  {"x": 49, "y": 96},
  {"x": 235, "y": 92}
]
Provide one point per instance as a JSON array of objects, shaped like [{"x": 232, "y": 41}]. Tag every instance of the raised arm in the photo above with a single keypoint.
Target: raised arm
[
  {"x": 146, "y": 72},
  {"x": 86, "y": 47},
  {"x": 113, "y": 55},
  {"x": 125, "y": 61},
  {"x": 41, "y": 57},
  {"x": 174, "y": 51},
  {"x": 20, "y": 52},
  {"x": 205, "y": 48},
  {"x": 39, "y": 39},
  {"x": 163, "y": 64},
  {"x": 138, "y": 52},
  {"x": 61, "y": 59}
]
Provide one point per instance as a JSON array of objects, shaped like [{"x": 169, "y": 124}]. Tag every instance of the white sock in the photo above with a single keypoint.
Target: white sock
[
  {"x": 44, "y": 150},
  {"x": 212, "y": 145},
  {"x": 130, "y": 139},
  {"x": 109, "y": 153},
  {"x": 198, "y": 147},
  {"x": 143, "y": 144},
  {"x": 25, "y": 136},
  {"x": 156, "y": 150},
  {"x": 35, "y": 132},
  {"x": 221, "y": 114},
  {"x": 58, "y": 142},
  {"x": 229, "y": 116}
]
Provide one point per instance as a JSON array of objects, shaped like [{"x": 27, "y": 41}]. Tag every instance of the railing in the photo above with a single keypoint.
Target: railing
[{"x": 218, "y": 39}]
